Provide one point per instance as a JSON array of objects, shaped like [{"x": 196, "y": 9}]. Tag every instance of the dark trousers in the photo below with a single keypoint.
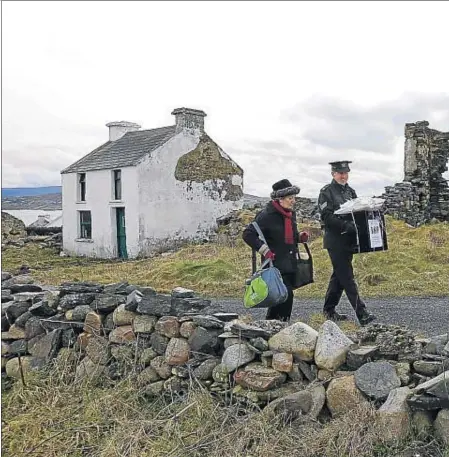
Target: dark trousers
[
  {"x": 283, "y": 311},
  {"x": 342, "y": 279}
]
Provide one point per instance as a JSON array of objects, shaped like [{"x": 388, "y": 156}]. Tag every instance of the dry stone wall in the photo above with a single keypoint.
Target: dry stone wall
[
  {"x": 168, "y": 342},
  {"x": 424, "y": 193}
]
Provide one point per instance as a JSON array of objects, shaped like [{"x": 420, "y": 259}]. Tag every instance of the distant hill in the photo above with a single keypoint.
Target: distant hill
[{"x": 29, "y": 191}]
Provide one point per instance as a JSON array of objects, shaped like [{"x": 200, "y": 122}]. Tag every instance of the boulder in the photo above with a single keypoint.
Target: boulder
[
  {"x": 182, "y": 306},
  {"x": 72, "y": 301},
  {"x": 298, "y": 339},
  {"x": 157, "y": 305},
  {"x": 33, "y": 327},
  {"x": 177, "y": 351},
  {"x": 303, "y": 405},
  {"x": 93, "y": 323},
  {"x": 12, "y": 367},
  {"x": 79, "y": 288},
  {"x": 422, "y": 422},
  {"x": 377, "y": 379},
  {"x": 45, "y": 346},
  {"x": 428, "y": 368},
  {"x": 147, "y": 355},
  {"x": 122, "y": 335},
  {"x": 282, "y": 361},
  {"x": 89, "y": 370},
  {"x": 106, "y": 303},
  {"x": 22, "y": 319},
  {"x": 133, "y": 300},
  {"x": 187, "y": 328},
  {"x": 181, "y": 292},
  {"x": 18, "y": 347},
  {"x": 168, "y": 326},
  {"x": 14, "y": 333},
  {"x": 161, "y": 367},
  {"x": 359, "y": 356},
  {"x": 78, "y": 313},
  {"x": 147, "y": 376},
  {"x": 332, "y": 345},
  {"x": 342, "y": 396},
  {"x": 159, "y": 343},
  {"x": 207, "y": 322},
  {"x": 143, "y": 323},
  {"x": 438, "y": 387},
  {"x": 259, "y": 378},
  {"x": 121, "y": 316},
  {"x": 204, "y": 342},
  {"x": 437, "y": 344},
  {"x": 98, "y": 350},
  {"x": 204, "y": 371},
  {"x": 236, "y": 356},
  {"x": 395, "y": 415}
]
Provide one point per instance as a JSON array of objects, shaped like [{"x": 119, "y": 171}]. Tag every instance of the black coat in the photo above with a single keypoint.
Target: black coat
[
  {"x": 271, "y": 222},
  {"x": 332, "y": 196}
]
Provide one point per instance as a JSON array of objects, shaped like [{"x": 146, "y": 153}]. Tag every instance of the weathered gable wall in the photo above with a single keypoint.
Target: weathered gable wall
[
  {"x": 99, "y": 202},
  {"x": 184, "y": 186}
]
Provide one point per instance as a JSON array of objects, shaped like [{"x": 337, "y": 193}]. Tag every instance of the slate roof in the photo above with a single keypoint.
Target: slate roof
[{"x": 124, "y": 152}]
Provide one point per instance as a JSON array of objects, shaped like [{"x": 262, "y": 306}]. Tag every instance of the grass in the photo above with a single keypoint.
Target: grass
[
  {"x": 53, "y": 417},
  {"x": 416, "y": 264}
]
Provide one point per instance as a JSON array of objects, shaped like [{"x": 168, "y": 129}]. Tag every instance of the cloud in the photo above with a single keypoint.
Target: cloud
[{"x": 344, "y": 125}]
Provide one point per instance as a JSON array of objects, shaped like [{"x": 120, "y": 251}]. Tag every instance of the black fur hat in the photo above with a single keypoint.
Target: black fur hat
[{"x": 283, "y": 188}]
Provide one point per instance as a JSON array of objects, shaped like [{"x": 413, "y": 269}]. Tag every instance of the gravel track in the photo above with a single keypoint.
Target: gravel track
[{"x": 429, "y": 315}]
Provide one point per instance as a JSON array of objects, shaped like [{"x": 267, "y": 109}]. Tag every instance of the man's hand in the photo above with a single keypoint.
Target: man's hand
[
  {"x": 303, "y": 237},
  {"x": 349, "y": 228}
]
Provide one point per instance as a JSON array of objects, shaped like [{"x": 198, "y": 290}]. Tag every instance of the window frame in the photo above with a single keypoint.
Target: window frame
[
  {"x": 85, "y": 225},
  {"x": 117, "y": 180},
  {"x": 82, "y": 187}
]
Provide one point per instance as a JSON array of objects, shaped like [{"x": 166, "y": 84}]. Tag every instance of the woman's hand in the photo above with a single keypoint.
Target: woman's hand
[
  {"x": 270, "y": 255},
  {"x": 303, "y": 237}
]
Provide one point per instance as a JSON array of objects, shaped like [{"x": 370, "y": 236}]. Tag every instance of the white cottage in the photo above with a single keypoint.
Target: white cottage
[{"x": 144, "y": 191}]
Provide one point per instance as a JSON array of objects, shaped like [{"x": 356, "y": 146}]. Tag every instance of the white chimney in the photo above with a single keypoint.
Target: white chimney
[
  {"x": 118, "y": 129},
  {"x": 189, "y": 119}
]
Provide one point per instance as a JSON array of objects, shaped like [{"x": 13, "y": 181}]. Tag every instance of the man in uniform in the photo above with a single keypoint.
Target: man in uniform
[{"x": 340, "y": 240}]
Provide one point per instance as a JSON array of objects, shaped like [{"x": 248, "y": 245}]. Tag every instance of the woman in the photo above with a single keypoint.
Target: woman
[{"x": 278, "y": 224}]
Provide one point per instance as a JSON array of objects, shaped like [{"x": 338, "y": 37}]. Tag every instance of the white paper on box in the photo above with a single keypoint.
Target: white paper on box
[{"x": 375, "y": 233}]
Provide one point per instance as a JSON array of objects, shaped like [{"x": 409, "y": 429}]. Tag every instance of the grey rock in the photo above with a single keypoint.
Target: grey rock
[
  {"x": 442, "y": 426},
  {"x": 205, "y": 370},
  {"x": 33, "y": 327},
  {"x": 181, "y": 306},
  {"x": 18, "y": 347},
  {"x": 80, "y": 312},
  {"x": 236, "y": 356},
  {"x": 426, "y": 368},
  {"x": 248, "y": 331},
  {"x": 15, "y": 280},
  {"x": 208, "y": 322},
  {"x": 42, "y": 308},
  {"x": 204, "y": 342},
  {"x": 68, "y": 338},
  {"x": 106, "y": 303},
  {"x": 306, "y": 369},
  {"x": 438, "y": 387},
  {"x": 22, "y": 319},
  {"x": 98, "y": 350},
  {"x": 259, "y": 343},
  {"x": 145, "y": 291},
  {"x": 358, "y": 357},
  {"x": 156, "y": 305},
  {"x": 79, "y": 288},
  {"x": 427, "y": 403},
  {"x": 154, "y": 389},
  {"x": 20, "y": 288},
  {"x": 228, "y": 342},
  {"x": 377, "y": 379},
  {"x": 6, "y": 295},
  {"x": 45, "y": 346},
  {"x": 71, "y": 301},
  {"x": 116, "y": 288},
  {"x": 58, "y": 321},
  {"x": 159, "y": 343},
  {"x": 6, "y": 276},
  {"x": 15, "y": 310},
  {"x": 108, "y": 323},
  {"x": 226, "y": 317},
  {"x": 133, "y": 300}
]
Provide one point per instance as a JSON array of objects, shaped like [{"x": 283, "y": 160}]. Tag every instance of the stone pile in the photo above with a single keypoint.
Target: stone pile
[{"x": 168, "y": 342}]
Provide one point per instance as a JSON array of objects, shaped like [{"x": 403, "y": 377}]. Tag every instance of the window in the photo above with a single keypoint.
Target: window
[
  {"x": 117, "y": 184},
  {"x": 82, "y": 186},
  {"x": 85, "y": 225}
]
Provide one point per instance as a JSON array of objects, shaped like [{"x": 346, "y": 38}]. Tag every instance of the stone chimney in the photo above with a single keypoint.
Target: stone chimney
[
  {"x": 189, "y": 119},
  {"x": 118, "y": 129}
]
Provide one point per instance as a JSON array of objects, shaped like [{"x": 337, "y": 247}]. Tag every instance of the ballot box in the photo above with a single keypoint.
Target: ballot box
[{"x": 371, "y": 230}]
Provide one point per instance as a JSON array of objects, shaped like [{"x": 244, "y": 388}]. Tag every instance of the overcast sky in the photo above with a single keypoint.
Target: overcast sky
[{"x": 287, "y": 86}]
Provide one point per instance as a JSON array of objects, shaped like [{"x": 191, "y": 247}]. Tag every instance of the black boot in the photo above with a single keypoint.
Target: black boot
[
  {"x": 334, "y": 316},
  {"x": 365, "y": 318}
]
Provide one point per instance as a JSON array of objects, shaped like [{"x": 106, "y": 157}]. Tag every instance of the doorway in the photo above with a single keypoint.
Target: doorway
[{"x": 121, "y": 233}]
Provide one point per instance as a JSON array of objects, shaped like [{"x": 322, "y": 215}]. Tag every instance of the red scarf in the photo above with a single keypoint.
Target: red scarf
[{"x": 288, "y": 224}]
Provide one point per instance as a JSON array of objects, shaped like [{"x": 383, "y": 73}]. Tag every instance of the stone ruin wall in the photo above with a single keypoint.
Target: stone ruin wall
[{"x": 423, "y": 195}]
